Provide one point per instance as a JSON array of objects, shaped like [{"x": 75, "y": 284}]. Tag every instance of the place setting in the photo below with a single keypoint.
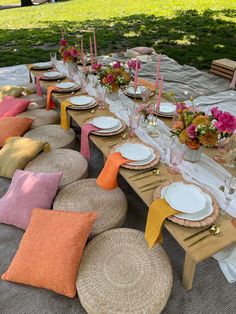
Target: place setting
[
  {"x": 41, "y": 66},
  {"x": 107, "y": 126},
  {"x": 52, "y": 76},
  {"x": 141, "y": 92},
  {"x": 66, "y": 87},
  {"x": 166, "y": 110},
  {"x": 82, "y": 102}
]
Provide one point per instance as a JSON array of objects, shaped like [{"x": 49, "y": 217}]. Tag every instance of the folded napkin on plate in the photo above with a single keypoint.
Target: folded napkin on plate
[
  {"x": 158, "y": 211},
  {"x": 39, "y": 91},
  {"x": 84, "y": 143},
  {"x": 50, "y": 102},
  {"x": 65, "y": 123},
  {"x": 107, "y": 179}
]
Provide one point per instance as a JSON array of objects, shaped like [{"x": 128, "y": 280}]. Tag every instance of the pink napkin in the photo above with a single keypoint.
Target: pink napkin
[
  {"x": 38, "y": 86},
  {"x": 84, "y": 143}
]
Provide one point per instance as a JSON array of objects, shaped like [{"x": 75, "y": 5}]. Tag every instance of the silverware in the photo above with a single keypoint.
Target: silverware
[
  {"x": 155, "y": 172},
  {"x": 141, "y": 172},
  {"x": 197, "y": 233},
  {"x": 153, "y": 187},
  {"x": 158, "y": 181},
  {"x": 214, "y": 230}
]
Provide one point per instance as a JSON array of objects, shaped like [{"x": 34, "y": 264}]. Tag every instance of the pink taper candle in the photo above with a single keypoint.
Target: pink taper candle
[
  {"x": 82, "y": 50},
  {"x": 136, "y": 75},
  {"x": 62, "y": 33},
  {"x": 95, "y": 43},
  {"x": 158, "y": 70},
  {"x": 91, "y": 49},
  {"x": 159, "y": 94}
]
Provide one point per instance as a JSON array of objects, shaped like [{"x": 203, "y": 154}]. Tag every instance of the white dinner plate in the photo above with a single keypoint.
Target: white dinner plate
[
  {"x": 81, "y": 100},
  {"x": 141, "y": 162},
  {"x": 131, "y": 90},
  {"x": 135, "y": 152},
  {"x": 116, "y": 128},
  {"x": 186, "y": 198},
  {"x": 207, "y": 211},
  {"x": 66, "y": 85},
  {"x": 42, "y": 65},
  {"x": 167, "y": 108},
  {"x": 53, "y": 74},
  {"x": 105, "y": 123}
]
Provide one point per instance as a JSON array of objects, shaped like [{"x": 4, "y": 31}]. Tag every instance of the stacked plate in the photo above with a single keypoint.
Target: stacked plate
[
  {"x": 140, "y": 154},
  {"x": 67, "y": 87},
  {"x": 82, "y": 102},
  {"x": 193, "y": 203},
  {"x": 130, "y": 91},
  {"x": 52, "y": 76},
  {"x": 167, "y": 109},
  {"x": 108, "y": 125},
  {"x": 42, "y": 66}
]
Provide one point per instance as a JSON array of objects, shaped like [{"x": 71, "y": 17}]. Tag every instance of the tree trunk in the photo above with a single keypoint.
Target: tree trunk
[{"x": 26, "y": 3}]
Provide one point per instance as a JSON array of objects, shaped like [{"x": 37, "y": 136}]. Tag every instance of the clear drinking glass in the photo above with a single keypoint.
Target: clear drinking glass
[
  {"x": 100, "y": 96},
  {"x": 176, "y": 157},
  {"x": 53, "y": 59},
  {"x": 134, "y": 119},
  {"x": 229, "y": 190},
  {"x": 145, "y": 93}
]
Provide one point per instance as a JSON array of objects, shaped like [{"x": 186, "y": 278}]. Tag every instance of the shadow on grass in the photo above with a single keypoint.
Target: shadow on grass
[{"x": 189, "y": 37}]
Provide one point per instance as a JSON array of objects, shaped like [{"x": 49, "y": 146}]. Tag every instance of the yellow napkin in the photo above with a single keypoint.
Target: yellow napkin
[
  {"x": 65, "y": 124},
  {"x": 158, "y": 211}
]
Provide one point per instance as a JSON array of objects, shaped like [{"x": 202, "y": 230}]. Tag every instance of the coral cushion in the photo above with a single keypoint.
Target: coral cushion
[
  {"x": 27, "y": 191},
  {"x": 50, "y": 250},
  {"x": 11, "y": 107},
  {"x": 13, "y": 126},
  {"x": 16, "y": 153}
]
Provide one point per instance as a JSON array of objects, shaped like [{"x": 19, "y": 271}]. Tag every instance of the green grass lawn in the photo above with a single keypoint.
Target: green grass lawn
[{"x": 192, "y": 32}]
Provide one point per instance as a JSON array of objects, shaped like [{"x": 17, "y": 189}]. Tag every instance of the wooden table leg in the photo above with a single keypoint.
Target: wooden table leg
[{"x": 188, "y": 272}]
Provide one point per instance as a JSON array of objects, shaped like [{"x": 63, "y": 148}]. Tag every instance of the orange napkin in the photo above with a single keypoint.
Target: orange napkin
[
  {"x": 50, "y": 102},
  {"x": 146, "y": 83},
  {"x": 158, "y": 211},
  {"x": 108, "y": 177}
]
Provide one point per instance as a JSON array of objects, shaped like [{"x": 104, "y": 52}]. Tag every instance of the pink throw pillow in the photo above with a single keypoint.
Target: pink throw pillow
[
  {"x": 11, "y": 107},
  {"x": 143, "y": 50},
  {"x": 28, "y": 190}
]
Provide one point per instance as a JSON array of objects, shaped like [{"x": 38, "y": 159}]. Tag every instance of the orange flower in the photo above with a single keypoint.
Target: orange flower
[
  {"x": 183, "y": 136},
  {"x": 209, "y": 139},
  {"x": 201, "y": 120},
  {"x": 193, "y": 144},
  {"x": 178, "y": 125},
  {"x": 114, "y": 87}
]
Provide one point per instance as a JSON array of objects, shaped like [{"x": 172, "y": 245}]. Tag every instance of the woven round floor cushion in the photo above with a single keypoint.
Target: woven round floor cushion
[
  {"x": 37, "y": 102},
  {"x": 41, "y": 117},
  {"x": 54, "y": 135},
  {"x": 70, "y": 162},
  {"x": 85, "y": 195},
  {"x": 119, "y": 274}
]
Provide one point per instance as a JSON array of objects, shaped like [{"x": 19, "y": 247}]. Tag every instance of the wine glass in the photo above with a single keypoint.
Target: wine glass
[
  {"x": 100, "y": 96},
  {"x": 229, "y": 190},
  {"x": 154, "y": 123},
  {"x": 53, "y": 59},
  {"x": 176, "y": 157},
  {"x": 134, "y": 120},
  {"x": 145, "y": 94}
]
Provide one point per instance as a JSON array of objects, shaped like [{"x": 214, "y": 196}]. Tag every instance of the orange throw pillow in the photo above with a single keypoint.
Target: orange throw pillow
[
  {"x": 13, "y": 126},
  {"x": 50, "y": 250}
]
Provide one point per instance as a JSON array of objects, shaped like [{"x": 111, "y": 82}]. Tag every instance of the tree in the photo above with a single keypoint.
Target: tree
[{"x": 26, "y": 3}]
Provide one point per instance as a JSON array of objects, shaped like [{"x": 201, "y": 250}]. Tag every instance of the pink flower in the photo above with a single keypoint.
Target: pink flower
[
  {"x": 180, "y": 106},
  {"x": 63, "y": 42},
  {"x": 226, "y": 122},
  {"x": 66, "y": 54},
  {"x": 216, "y": 113},
  {"x": 116, "y": 65},
  {"x": 110, "y": 78},
  {"x": 192, "y": 132},
  {"x": 74, "y": 52},
  {"x": 96, "y": 66},
  {"x": 132, "y": 64}
]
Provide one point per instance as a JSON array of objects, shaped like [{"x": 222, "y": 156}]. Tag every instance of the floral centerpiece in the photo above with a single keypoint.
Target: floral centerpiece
[
  {"x": 196, "y": 129},
  {"x": 69, "y": 54},
  {"x": 145, "y": 110}
]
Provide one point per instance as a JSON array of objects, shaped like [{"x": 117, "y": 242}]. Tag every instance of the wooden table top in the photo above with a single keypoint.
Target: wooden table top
[{"x": 198, "y": 252}]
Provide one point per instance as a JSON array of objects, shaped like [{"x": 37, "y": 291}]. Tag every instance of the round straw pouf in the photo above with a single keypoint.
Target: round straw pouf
[
  {"x": 41, "y": 117},
  {"x": 70, "y": 162},
  {"x": 85, "y": 195},
  {"x": 54, "y": 135},
  {"x": 37, "y": 102},
  {"x": 119, "y": 274}
]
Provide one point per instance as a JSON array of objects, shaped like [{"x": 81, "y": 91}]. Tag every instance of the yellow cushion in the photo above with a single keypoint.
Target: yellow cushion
[
  {"x": 16, "y": 153},
  {"x": 15, "y": 91}
]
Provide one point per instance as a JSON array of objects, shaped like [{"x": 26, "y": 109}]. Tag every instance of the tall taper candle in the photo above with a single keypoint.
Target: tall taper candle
[
  {"x": 95, "y": 43},
  {"x": 82, "y": 50},
  {"x": 62, "y": 33},
  {"x": 136, "y": 75},
  {"x": 158, "y": 70},
  {"x": 159, "y": 94},
  {"x": 91, "y": 49}
]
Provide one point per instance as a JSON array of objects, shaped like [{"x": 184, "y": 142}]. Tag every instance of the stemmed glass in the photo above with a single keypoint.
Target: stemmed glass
[
  {"x": 100, "y": 96},
  {"x": 134, "y": 120},
  {"x": 53, "y": 59},
  {"x": 229, "y": 189},
  {"x": 154, "y": 123},
  {"x": 176, "y": 157},
  {"x": 145, "y": 93}
]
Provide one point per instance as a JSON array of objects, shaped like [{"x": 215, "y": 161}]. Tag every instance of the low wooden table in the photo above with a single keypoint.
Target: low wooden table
[{"x": 193, "y": 255}]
